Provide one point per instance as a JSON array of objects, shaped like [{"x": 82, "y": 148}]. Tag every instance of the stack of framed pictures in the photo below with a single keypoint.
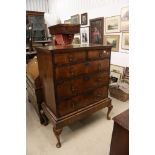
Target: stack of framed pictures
[{"x": 112, "y": 25}]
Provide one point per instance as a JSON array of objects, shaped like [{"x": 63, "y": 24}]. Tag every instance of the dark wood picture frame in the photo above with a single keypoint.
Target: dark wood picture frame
[
  {"x": 96, "y": 30},
  {"x": 84, "y": 19}
]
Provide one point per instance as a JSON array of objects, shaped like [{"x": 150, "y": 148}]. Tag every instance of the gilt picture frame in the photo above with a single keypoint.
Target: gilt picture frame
[
  {"x": 75, "y": 19},
  {"x": 112, "y": 40},
  {"x": 68, "y": 21},
  {"x": 125, "y": 40},
  {"x": 125, "y": 19},
  {"x": 112, "y": 24}
]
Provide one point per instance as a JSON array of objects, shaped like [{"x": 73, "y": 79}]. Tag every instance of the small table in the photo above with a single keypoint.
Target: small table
[
  {"x": 43, "y": 42},
  {"x": 120, "y": 135}
]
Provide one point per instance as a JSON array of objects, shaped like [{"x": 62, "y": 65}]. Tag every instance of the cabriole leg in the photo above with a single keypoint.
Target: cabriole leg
[
  {"x": 109, "y": 110},
  {"x": 57, "y": 133}
]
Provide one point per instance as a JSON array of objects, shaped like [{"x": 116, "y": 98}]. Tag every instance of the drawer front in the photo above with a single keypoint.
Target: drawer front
[
  {"x": 99, "y": 65},
  {"x": 69, "y": 88},
  {"x": 90, "y": 82},
  {"x": 83, "y": 68},
  {"x": 68, "y": 58},
  {"x": 68, "y": 106},
  {"x": 70, "y": 71},
  {"x": 76, "y": 103},
  {"x": 98, "y": 54},
  {"x": 75, "y": 86},
  {"x": 93, "y": 96}
]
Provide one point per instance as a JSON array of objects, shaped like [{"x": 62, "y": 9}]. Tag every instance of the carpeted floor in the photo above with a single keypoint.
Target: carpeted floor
[{"x": 90, "y": 136}]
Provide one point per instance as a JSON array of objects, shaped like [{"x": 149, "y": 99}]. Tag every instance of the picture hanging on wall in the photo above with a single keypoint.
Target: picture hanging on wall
[
  {"x": 84, "y": 35},
  {"x": 125, "y": 40},
  {"x": 67, "y": 21},
  {"x": 112, "y": 40},
  {"x": 75, "y": 19},
  {"x": 84, "y": 19},
  {"x": 125, "y": 19},
  {"x": 96, "y": 30},
  {"x": 112, "y": 24}
]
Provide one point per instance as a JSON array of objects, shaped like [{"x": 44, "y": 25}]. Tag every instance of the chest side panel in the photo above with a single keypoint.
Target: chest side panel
[{"x": 47, "y": 78}]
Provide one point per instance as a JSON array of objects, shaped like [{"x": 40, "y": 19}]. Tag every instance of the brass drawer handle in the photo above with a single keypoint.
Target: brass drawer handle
[
  {"x": 73, "y": 89},
  {"x": 71, "y": 71},
  {"x": 99, "y": 79},
  {"x": 98, "y": 96},
  {"x": 70, "y": 58},
  {"x": 100, "y": 54}
]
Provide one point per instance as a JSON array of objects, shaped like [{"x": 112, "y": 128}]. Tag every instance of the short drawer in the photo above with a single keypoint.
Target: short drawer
[
  {"x": 69, "y": 58},
  {"x": 98, "y": 54}
]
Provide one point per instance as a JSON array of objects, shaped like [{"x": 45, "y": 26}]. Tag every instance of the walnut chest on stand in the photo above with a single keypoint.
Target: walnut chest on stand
[{"x": 75, "y": 81}]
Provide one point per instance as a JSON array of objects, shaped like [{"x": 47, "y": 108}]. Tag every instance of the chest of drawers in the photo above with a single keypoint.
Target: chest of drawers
[{"x": 75, "y": 81}]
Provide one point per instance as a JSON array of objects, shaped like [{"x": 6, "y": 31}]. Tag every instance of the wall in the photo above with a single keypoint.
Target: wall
[
  {"x": 37, "y": 5},
  {"x": 95, "y": 8}
]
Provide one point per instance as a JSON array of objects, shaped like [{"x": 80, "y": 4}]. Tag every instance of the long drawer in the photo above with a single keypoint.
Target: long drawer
[
  {"x": 71, "y": 105},
  {"x": 82, "y": 68},
  {"x": 76, "y": 86}
]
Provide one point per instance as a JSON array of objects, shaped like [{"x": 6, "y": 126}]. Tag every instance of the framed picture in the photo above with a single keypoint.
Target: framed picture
[
  {"x": 84, "y": 35},
  {"x": 96, "y": 30},
  {"x": 112, "y": 40},
  {"x": 116, "y": 72},
  {"x": 125, "y": 19},
  {"x": 67, "y": 21},
  {"x": 75, "y": 19},
  {"x": 125, "y": 40},
  {"x": 84, "y": 19},
  {"x": 112, "y": 24}
]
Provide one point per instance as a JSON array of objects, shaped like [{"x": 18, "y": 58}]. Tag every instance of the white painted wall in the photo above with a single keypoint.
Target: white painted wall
[
  {"x": 64, "y": 9},
  {"x": 37, "y": 5}
]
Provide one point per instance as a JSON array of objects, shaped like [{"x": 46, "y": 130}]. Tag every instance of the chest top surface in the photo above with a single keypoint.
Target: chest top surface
[{"x": 73, "y": 47}]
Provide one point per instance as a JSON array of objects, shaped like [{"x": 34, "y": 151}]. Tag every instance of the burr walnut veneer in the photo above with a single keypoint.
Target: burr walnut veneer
[{"x": 75, "y": 81}]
